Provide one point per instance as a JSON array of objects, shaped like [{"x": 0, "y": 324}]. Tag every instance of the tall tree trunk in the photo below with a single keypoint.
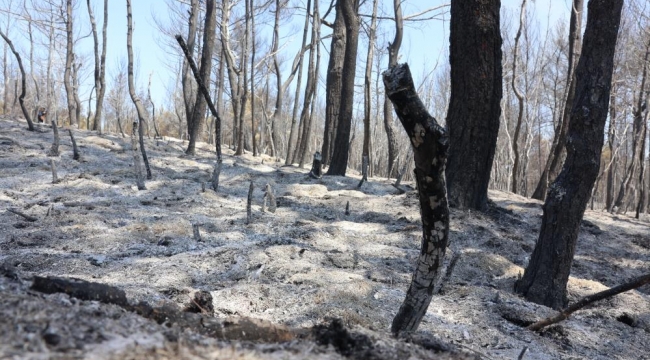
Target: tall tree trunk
[
  {"x": 642, "y": 170},
  {"x": 558, "y": 148},
  {"x": 69, "y": 63},
  {"x": 21, "y": 98},
  {"x": 307, "y": 113},
  {"x": 100, "y": 65},
  {"x": 546, "y": 276},
  {"x": 367, "y": 100},
  {"x": 189, "y": 94},
  {"x": 393, "y": 53},
  {"x": 333, "y": 86},
  {"x": 243, "y": 81},
  {"x": 638, "y": 138},
  {"x": 611, "y": 137},
  {"x": 253, "y": 125},
  {"x": 198, "y": 114},
  {"x": 142, "y": 113},
  {"x": 475, "y": 102},
  {"x": 339, "y": 161},
  {"x": 233, "y": 76},
  {"x": 520, "y": 102},
  {"x": 293, "y": 132},
  {"x": 430, "y": 145}
]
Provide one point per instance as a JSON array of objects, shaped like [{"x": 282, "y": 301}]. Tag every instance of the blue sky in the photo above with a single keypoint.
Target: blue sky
[{"x": 425, "y": 43}]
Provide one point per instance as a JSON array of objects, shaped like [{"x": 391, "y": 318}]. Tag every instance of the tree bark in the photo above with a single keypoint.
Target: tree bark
[
  {"x": 142, "y": 113},
  {"x": 333, "y": 86},
  {"x": 520, "y": 102},
  {"x": 546, "y": 276},
  {"x": 430, "y": 145},
  {"x": 189, "y": 95},
  {"x": 367, "y": 100},
  {"x": 253, "y": 124},
  {"x": 100, "y": 64},
  {"x": 195, "y": 125},
  {"x": 69, "y": 63},
  {"x": 21, "y": 98},
  {"x": 393, "y": 53},
  {"x": 339, "y": 160},
  {"x": 475, "y": 102},
  {"x": 558, "y": 148}
]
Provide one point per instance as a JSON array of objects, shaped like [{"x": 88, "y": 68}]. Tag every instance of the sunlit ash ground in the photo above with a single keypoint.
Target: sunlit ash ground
[{"x": 304, "y": 264}]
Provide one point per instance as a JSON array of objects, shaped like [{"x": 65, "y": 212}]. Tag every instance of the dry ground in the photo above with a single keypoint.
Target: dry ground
[{"x": 304, "y": 264}]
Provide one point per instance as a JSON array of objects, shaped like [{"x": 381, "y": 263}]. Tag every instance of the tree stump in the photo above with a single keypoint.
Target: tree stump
[
  {"x": 75, "y": 149},
  {"x": 317, "y": 166},
  {"x": 139, "y": 177},
  {"x": 430, "y": 147},
  {"x": 54, "y": 150}
]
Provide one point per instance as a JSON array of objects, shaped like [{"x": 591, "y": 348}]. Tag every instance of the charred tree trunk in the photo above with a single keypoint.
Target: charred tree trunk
[
  {"x": 611, "y": 136},
  {"x": 333, "y": 86},
  {"x": 339, "y": 160},
  {"x": 198, "y": 113},
  {"x": 137, "y": 167},
  {"x": 142, "y": 113},
  {"x": 253, "y": 124},
  {"x": 475, "y": 102},
  {"x": 393, "y": 52},
  {"x": 558, "y": 148},
  {"x": 367, "y": 100},
  {"x": 430, "y": 145},
  {"x": 189, "y": 95},
  {"x": 21, "y": 98},
  {"x": 546, "y": 276}
]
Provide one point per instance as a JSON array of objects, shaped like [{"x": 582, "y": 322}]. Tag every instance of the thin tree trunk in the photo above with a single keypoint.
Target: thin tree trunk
[
  {"x": 554, "y": 162},
  {"x": 21, "y": 98},
  {"x": 69, "y": 63},
  {"x": 189, "y": 95},
  {"x": 393, "y": 53},
  {"x": 253, "y": 125},
  {"x": 430, "y": 145},
  {"x": 546, "y": 276},
  {"x": 367, "y": 100},
  {"x": 142, "y": 113},
  {"x": 520, "y": 100}
]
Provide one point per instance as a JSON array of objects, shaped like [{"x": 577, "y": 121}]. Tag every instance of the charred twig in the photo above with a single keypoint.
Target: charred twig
[
  {"x": 25, "y": 216},
  {"x": 566, "y": 312}
]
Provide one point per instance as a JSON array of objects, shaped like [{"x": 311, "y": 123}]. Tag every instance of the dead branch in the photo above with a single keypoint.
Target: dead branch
[
  {"x": 92, "y": 204},
  {"x": 249, "y": 204},
  {"x": 75, "y": 149},
  {"x": 25, "y": 216},
  {"x": 566, "y": 312}
]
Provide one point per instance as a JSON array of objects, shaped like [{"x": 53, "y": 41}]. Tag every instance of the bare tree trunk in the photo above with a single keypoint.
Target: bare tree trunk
[
  {"x": 637, "y": 141},
  {"x": 475, "y": 102},
  {"x": 142, "y": 113},
  {"x": 333, "y": 86},
  {"x": 393, "y": 53},
  {"x": 198, "y": 114},
  {"x": 100, "y": 65},
  {"x": 243, "y": 81},
  {"x": 609, "y": 196},
  {"x": 139, "y": 178},
  {"x": 153, "y": 108},
  {"x": 339, "y": 160},
  {"x": 21, "y": 98},
  {"x": 69, "y": 63},
  {"x": 253, "y": 125},
  {"x": 642, "y": 170},
  {"x": 294, "y": 121},
  {"x": 520, "y": 98},
  {"x": 430, "y": 145},
  {"x": 546, "y": 276},
  {"x": 554, "y": 163},
  {"x": 189, "y": 95},
  {"x": 367, "y": 100}
]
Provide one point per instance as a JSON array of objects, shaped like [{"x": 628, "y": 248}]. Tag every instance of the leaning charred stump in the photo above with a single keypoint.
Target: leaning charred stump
[{"x": 430, "y": 147}]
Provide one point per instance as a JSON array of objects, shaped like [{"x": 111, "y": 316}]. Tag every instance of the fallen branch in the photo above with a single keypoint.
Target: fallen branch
[
  {"x": 25, "y": 216},
  {"x": 232, "y": 328},
  {"x": 566, "y": 312},
  {"x": 92, "y": 204}
]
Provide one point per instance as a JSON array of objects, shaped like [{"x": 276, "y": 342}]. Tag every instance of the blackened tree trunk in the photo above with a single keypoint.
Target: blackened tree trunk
[
  {"x": 69, "y": 63},
  {"x": 474, "y": 107},
  {"x": 198, "y": 114},
  {"x": 430, "y": 145},
  {"x": 23, "y": 90},
  {"x": 142, "y": 113},
  {"x": 546, "y": 276},
  {"x": 333, "y": 86},
  {"x": 554, "y": 162},
  {"x": 339, "y": 161},
  {"x": 393, "y": 52},
  {"x": 189, "y": 95}
]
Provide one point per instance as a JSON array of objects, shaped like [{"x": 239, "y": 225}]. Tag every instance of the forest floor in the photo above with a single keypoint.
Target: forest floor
[{"x": 304, "y": 264}]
